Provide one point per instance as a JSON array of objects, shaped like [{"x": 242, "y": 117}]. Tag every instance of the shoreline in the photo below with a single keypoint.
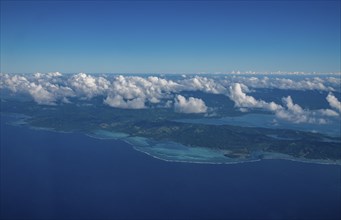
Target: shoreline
[{"x": 136, "y": 147}]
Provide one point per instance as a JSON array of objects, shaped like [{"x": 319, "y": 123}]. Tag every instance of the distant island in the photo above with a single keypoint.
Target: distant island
[{"x": 161, "y": 124}]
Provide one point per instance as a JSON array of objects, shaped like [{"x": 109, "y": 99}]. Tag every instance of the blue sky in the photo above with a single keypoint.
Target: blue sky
[{"x": 166, "y": 36}]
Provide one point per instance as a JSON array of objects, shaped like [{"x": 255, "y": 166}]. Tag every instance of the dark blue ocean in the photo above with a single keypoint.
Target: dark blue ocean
[{"x": 72, "y": 176}]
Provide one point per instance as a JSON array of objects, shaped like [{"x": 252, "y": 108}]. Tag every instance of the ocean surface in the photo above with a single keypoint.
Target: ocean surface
[{"x": 45, "y": 174}]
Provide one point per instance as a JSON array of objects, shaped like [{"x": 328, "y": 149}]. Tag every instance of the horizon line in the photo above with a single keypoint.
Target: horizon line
[{"x": 194, "y": 73}]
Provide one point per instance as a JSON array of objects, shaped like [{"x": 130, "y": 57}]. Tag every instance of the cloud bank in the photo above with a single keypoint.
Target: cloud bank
[
  {"x": 136, "y": 92},
  {"x": 288, "y": 111}
]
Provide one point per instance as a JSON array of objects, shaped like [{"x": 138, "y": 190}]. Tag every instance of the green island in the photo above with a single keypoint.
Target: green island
[{"x": 159, "y": 124}]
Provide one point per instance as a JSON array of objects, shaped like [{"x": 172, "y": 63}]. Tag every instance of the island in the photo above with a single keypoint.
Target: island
[{"x": 162, "y": 125}]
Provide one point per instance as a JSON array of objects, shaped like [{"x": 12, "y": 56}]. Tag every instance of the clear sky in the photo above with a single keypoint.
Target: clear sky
[{"x": 169, "y": 36}]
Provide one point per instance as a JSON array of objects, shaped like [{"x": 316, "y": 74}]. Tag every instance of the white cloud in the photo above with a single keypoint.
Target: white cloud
[
  {"x": 190, "y": 105},
  {"x": 328, "y": 112},
  {"x": 118, "y": 102},
  {"x": 15, "y": 83},
  {"x": 289, "y": 111},
  {"x": 295, "y": 113},
  {"x": 137, "y": 92},
  {"x": 315, "y": 83},
  {"x": 334, "y": 81},
  {"x": 242, "y": 100},
  {"x": 88, "y": 85},
  {"x": 333, "y": 102},
  {"x": 39, "y": 88},
  {"x": 198, "y": 83},
  {"x": 41, "y": 95}
]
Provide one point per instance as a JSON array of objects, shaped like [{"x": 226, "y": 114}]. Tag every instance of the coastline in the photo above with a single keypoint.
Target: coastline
[{"x": 139, "y": 146}]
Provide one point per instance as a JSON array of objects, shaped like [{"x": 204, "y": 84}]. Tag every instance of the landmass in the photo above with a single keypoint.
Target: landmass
[{"x": 160, "y": 124}]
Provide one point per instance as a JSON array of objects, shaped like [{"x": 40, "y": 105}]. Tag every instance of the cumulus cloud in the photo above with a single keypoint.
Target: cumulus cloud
[
  {"x": 118, "y": 102},
  {"x": 242, "y": 100},
  {"x": 88, "y": 85},
  {"x": 315, "y": 83},
  {"x": 295, "y": 113},
  {"x": 334, "y": 102},
  {"x": 198, "y": 83},
  {"x": 135, "y": 92},
  {"x": 289, "y": 111},
  {"x": 328, "y": 112},
  {"x": 190, "y": 105},
  {"x": 52, "y": 87},
  {"x": 41, "y": 95},
  {"x": 15, "y": 83},
  {"x": 39, "y": 87}
]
